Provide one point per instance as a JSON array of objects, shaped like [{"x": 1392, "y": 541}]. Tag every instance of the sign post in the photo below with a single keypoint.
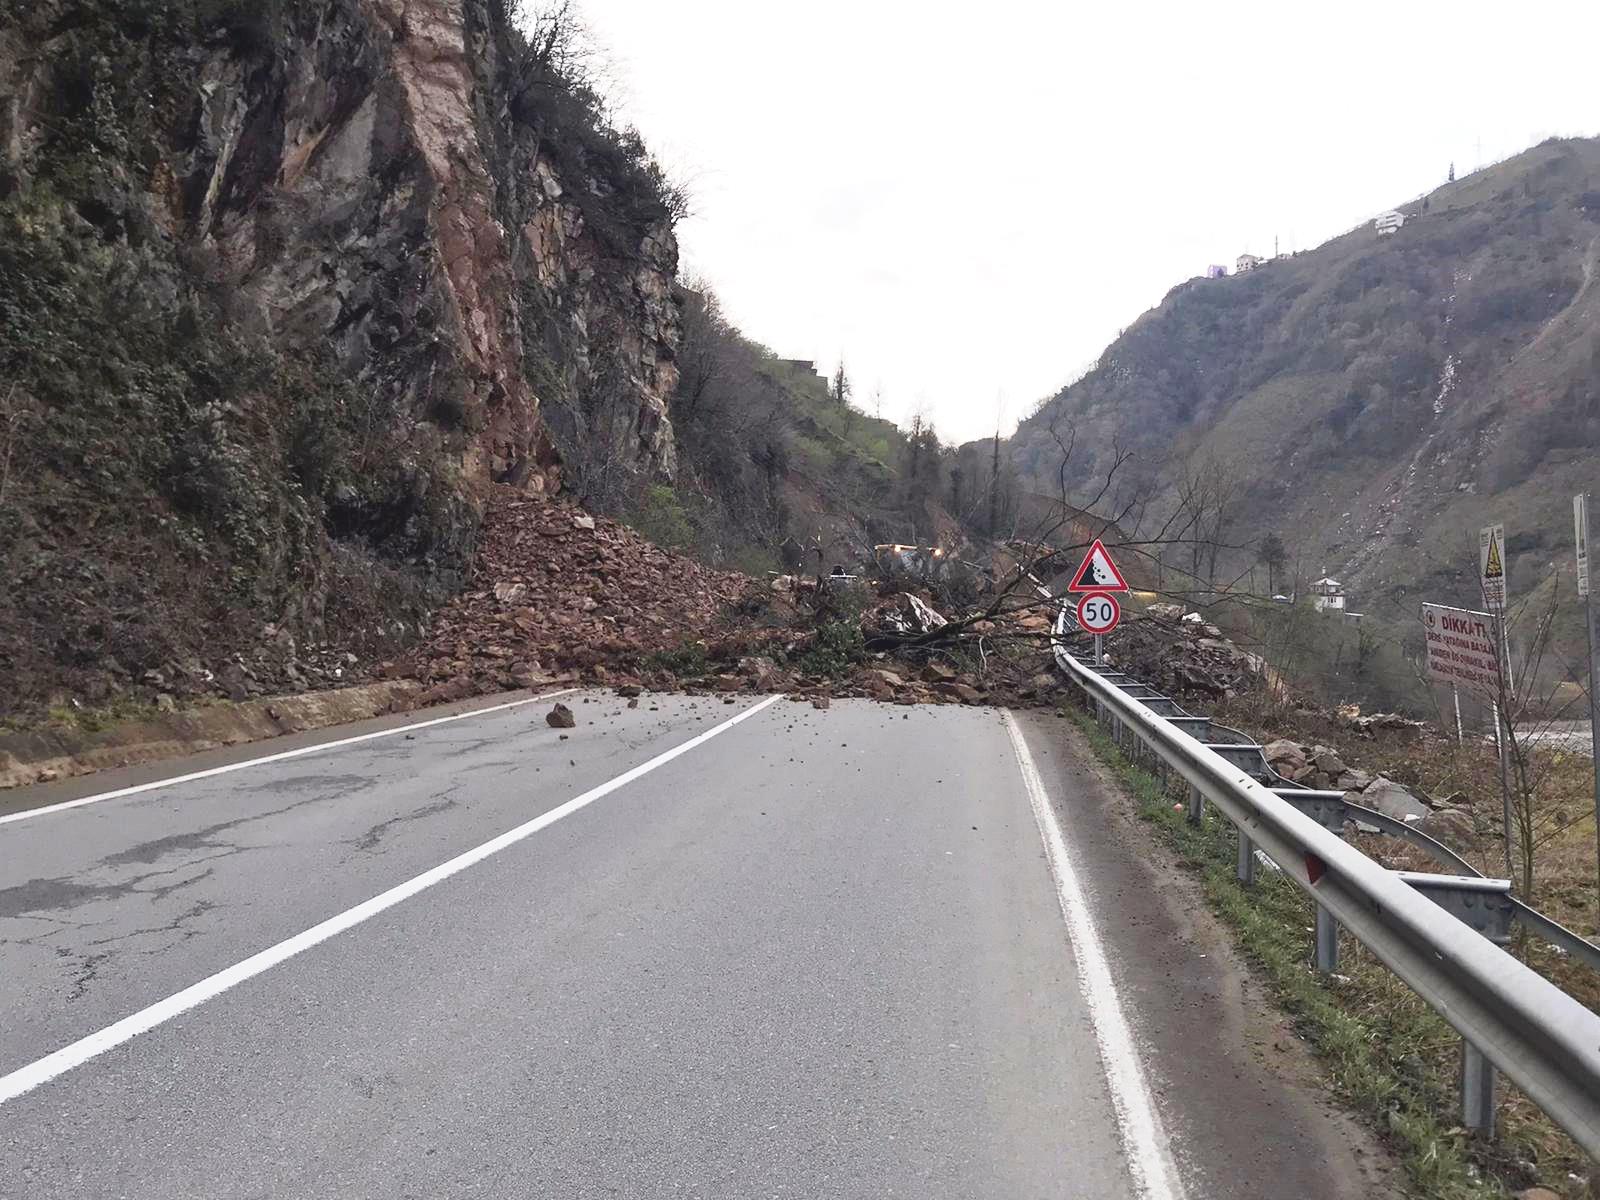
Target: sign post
[
  {"x": 1580, "y": 531},
  {"x": 1492, "y": 579},
  {"x": 1099, "y": 612}
]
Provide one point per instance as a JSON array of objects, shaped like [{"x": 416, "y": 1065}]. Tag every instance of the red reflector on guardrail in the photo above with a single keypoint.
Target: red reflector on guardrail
[{"x": 1315, "y": 867}]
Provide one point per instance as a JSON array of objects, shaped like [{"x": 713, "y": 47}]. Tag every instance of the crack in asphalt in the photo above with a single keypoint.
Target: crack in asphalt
[
  {"x": 48, "y": 900},
  {"x": 58, "y": 925},
  {"x": 83, "y": 974},
  {"x": 461, "y": 749},
  {"x": 443, "y": 802},
  {"x": 176, "y": 925},
  {"x": 63, "y": 893},
  {"x": 203, "y": 838},
  {"x": 348, "y": 782}
]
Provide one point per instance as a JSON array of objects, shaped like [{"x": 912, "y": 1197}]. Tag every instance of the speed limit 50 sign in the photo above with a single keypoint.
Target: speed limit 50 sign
[{"x": 1099, "y": 612}]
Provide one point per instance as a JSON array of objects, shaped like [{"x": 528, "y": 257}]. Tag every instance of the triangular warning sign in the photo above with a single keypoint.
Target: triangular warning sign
[
  {"x": 1098, "y": 573},
  {"x": 1492, "y": 569}
]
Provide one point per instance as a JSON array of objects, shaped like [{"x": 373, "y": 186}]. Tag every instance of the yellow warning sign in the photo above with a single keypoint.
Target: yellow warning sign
[
  {"x": 1492, "y": 565},
  {"x": 1492, "y": 569}
]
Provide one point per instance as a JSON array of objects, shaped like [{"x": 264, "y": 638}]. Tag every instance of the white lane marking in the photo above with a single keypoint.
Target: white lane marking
[
  {"x": 25, "y": 1079},
  {"x": 271, "y": 758},
  {"x": 1144, "y": 1143}
]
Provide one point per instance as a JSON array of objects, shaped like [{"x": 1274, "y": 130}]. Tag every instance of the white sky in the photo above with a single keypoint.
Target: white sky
[{"x": 969, "y": 201}]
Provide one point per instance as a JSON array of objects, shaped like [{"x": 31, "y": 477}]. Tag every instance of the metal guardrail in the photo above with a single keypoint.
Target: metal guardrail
[{"x": 1509, "y": 1017}]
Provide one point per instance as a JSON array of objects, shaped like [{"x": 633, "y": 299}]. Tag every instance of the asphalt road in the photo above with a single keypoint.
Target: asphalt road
[{"x": 808, "y": 953}]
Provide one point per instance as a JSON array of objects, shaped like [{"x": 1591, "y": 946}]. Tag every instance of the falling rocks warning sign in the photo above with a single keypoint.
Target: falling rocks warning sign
[
  {"x": 1097, "y": 573},
  {"x": 1461, "y": 648}
]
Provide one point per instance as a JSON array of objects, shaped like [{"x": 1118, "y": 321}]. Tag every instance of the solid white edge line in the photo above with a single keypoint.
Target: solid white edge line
[
  {"x": 26, "y": 813},
  {"x": 25, "y": 1079},
  {"x": 1144, "y": 1142}
]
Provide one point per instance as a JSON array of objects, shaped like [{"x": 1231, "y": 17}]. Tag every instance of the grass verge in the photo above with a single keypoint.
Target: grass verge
[{"x": 1387, "y": 1055}]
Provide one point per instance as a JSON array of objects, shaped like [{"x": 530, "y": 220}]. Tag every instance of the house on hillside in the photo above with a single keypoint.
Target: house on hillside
[
  {"x": 1216, "y": 271},
  {"x": 1389, "y": 223},
  {"x": 1327, "y": 595},
  {"x": 1247, "y": 262}
]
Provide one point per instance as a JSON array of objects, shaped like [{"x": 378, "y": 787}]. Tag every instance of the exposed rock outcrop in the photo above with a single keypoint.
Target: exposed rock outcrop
[{"x": 285, "y": 287}]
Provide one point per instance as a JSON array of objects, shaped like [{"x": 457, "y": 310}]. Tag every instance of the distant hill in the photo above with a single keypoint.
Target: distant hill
[{"x": 1380, "y": 397}]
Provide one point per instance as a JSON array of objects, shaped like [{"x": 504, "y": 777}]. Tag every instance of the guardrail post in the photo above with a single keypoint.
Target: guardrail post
[
  {"x": 1327, "y": 952},
  {"x": 1246, "y": 870},
  {"x": 1197, "y": 805},
  {"x": 1477, "y": 1090}
]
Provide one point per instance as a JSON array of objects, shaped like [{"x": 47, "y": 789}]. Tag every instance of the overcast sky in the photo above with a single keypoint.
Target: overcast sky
[{"x": 970, "y": 201}]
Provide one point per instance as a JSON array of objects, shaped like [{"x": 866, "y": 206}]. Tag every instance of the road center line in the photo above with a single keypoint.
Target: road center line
[
  {"x": 272, "y": 758},
  {"x": 25, "y": 1079},
  {"x": 1144, "y": 1143}
]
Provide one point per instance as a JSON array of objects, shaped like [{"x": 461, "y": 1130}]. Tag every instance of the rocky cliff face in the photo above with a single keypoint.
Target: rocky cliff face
[{"x": 286, "y": 286}]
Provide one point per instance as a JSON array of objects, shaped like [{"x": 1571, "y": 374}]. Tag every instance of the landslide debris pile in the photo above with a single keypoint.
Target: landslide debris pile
[
  {"x": 558, "y": 592},
  {"x": 1187, "y": 659}
]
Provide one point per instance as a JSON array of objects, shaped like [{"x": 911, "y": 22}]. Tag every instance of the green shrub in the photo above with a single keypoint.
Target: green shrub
[
  {"x": 837, "y": 647},
  {"x": 686, "y": 661},
  {"x": 661, "y": 516}
]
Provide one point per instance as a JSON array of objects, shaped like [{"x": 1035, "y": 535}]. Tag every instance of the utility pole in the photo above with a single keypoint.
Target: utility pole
[
  {"x": 1493, "y": 571},
  {"x": 1580, "y": 529}
]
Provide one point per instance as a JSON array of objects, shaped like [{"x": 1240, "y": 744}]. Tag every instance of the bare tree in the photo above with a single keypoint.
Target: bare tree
[
  {"x": 841, "y": 389},
  {"x": 1272, "y": 554},
  {"x": 1529, "y": 709},
  {"x": 703, "y": 353},
  {"x": 15, "y": 414},
  {"x": 1209, "y": 492}
]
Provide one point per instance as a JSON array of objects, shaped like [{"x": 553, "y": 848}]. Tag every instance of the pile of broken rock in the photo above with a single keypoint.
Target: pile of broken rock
[
  {"x": 559, "y": 593},
  {"x": 562, "y": 595},
  {"x": 1321, "y": 767},
  {"x": 1185, "y": 659}
]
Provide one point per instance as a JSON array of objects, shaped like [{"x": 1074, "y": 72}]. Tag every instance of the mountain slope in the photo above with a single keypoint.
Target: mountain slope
[{"x": 1378, "y": 398}]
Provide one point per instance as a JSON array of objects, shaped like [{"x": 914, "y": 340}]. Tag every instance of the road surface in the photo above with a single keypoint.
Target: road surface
[
  {"x": 1571, "y": 737},
  {"x": 684, "y": 949}
]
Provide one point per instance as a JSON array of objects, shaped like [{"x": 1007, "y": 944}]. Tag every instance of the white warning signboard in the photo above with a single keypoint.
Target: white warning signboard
[
  {"x": 1492, "y": 566},
  {"x": 1097, "y": 573},
  {"x": 1461, "y": 648}
]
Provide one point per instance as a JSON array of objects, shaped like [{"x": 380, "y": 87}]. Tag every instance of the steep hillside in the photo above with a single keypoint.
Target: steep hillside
[
  {"x": 284, "y": 286},
  {"x": 775, "y": 466},
  {"x": 1377, "y": 398}
]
